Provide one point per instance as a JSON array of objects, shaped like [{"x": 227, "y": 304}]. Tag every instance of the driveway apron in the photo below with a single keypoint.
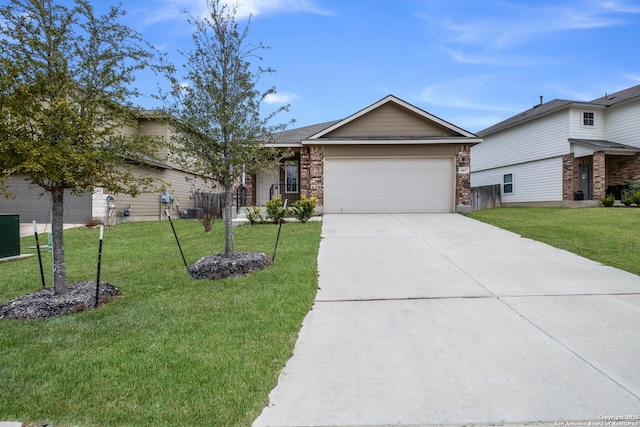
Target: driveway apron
[{"x": 443, "y": 320}]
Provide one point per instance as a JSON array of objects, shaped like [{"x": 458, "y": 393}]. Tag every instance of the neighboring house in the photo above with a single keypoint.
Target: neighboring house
[
  {"x": 561, "y": 151},
  {"x": 33, "y": 203},
  {"x": 390, "y": 157}
]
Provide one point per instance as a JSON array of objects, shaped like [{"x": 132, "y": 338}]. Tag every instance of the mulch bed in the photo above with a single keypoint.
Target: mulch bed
[
  {"x": 221, "y": 266},
  {"x": 44, "y": 304}
]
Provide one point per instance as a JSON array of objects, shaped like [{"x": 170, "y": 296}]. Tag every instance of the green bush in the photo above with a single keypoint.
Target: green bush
[
  {"x": 630, "y": 198},
  {"x": 634, "y": 187},
  {"x": 608, "y": 200},
  {"x": 275, "y": 209},
  {"x": 304, "y": 208},
  {"x": 254, "y": 214}
]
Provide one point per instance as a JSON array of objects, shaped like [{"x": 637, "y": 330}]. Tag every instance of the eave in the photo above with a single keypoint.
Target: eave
[{"x": 397, "y": 141}]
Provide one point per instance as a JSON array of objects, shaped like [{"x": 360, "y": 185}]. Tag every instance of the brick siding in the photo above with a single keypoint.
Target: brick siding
[{"x": 623, "y": 169}]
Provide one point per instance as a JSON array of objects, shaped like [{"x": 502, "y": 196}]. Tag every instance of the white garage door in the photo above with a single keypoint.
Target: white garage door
[{"x": 388, "y": 185}]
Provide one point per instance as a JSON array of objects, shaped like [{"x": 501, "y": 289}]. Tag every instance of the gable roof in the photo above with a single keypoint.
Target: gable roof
[
  {"x": 556, "y": 105},
  {"x": 390, "y": 99}
]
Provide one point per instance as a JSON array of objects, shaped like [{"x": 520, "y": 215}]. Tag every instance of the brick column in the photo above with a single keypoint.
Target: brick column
[
  {"x": 251, "y": 193},
  {"x": 305, "y": 172},
  {"x": 316, "y": 173},
  {"x": 568, "y": 181},
  {"x": 599, "y": 175},
  {"x": 463, "y": 180}
]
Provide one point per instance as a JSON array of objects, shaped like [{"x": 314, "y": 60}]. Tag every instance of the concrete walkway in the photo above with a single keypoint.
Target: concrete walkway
[
  {"x": 27, "y": 230},
  {"x": 442, "y": 320}
]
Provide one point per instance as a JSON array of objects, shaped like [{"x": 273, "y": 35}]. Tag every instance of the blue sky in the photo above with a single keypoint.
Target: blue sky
[{"x": 472, "y": 63}]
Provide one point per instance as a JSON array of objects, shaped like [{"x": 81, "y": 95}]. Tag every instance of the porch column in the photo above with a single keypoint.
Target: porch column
[
  {"x": 316, "y": 173},
  {"x": 305, "y": 172},
  {"x": 568, "y": 176},
  {"x": 599, "y": 175},
  {"x": 463, "y": 179}
]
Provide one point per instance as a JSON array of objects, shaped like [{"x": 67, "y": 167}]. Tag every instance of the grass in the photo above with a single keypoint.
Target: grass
[
  {"x": 171, "y": 351},
  {"x": 607, "y": 235}
]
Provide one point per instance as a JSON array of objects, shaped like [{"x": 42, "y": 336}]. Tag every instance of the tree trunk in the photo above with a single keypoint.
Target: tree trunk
[
  {"x": 228, "y": 224},
  {"x": 57, "y": 221}
]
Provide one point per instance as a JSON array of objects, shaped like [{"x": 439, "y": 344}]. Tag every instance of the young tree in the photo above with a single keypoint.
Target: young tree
[
  {"x": 218, "y": 105},
  {"x": 65, "y": 99}
]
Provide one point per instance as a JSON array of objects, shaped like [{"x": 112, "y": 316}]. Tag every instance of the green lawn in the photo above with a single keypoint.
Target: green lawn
[
  {"x": 171, "y": 351},
  {"x": 607, "y": 235}
]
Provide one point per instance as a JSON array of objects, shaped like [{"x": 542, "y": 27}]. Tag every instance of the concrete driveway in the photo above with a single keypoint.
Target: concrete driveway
[{"x": 444, "y": 320}]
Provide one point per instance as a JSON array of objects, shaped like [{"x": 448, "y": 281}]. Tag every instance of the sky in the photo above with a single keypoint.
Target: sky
[{"x": 472, "y": 63}]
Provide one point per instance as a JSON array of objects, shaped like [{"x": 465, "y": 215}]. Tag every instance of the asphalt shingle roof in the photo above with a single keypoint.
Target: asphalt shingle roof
[
  {"x": 557, "y": 104},
  {"x": 295, "y": 136}
]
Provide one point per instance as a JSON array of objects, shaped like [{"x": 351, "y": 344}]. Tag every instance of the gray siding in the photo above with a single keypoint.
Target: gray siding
[
  {"x": 540, "y": 139},
  {"x": 539, "y": 181},
  {"x": 35, "y": 204},
  {"x": 623, "y": 124}
]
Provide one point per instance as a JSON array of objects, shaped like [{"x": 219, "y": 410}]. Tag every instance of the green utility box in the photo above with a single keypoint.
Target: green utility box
[{"x": 9, "y": 235}]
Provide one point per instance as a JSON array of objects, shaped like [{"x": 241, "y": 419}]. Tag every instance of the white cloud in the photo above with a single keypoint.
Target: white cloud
[
  {"x": 475, "y": 122},
  {"x": 168, "y": 10},
  {"x": 280, "y": 98},
  {"x": 465, "y": 93},
  {"x": 510, "y": 24},
  {"x": 633, "y": 77},
  {"x": 257, "y": 7},
  {"x": 491, "y": 59}
]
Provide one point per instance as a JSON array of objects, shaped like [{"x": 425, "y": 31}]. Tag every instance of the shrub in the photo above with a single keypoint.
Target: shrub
[
  {"x": 93, "y": 222},
  {"x": 210, "y": 204},
  {"x": 608, "y": 200},
  {"x": 254, "y": 214},
  {"x": 634, "y": 187},
  {"x": 304, "y": 208},
  {"x": 628, "y": 198},
  {"x": 275, "y": 209}
]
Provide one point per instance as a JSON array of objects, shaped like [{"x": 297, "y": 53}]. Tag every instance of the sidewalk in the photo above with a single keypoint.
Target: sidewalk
[{"x": 26, "y": 229}]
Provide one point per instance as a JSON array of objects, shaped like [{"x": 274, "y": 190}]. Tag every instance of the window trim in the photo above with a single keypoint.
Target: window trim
[
  {"x": 506, "y": 183},
  {"x": 584, "y": 119}
]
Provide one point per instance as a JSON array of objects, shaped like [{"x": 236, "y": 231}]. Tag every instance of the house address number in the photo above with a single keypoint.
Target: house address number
[{"x": 463, "y": 169}]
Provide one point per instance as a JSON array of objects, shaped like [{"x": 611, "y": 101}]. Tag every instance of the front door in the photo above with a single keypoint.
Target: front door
[
  {"x": 585, "y": 181},
  {"x": 267, "y": 179}
]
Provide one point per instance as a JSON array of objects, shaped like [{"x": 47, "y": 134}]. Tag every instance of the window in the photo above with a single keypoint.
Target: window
[
  {"x": 291, "y": 176},
  {"x": 507, "y": 183},
  {"x": 588, "y": 118}
]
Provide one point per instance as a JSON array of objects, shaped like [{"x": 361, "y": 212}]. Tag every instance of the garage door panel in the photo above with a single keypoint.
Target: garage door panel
[{"x": 366, "y": 185}]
